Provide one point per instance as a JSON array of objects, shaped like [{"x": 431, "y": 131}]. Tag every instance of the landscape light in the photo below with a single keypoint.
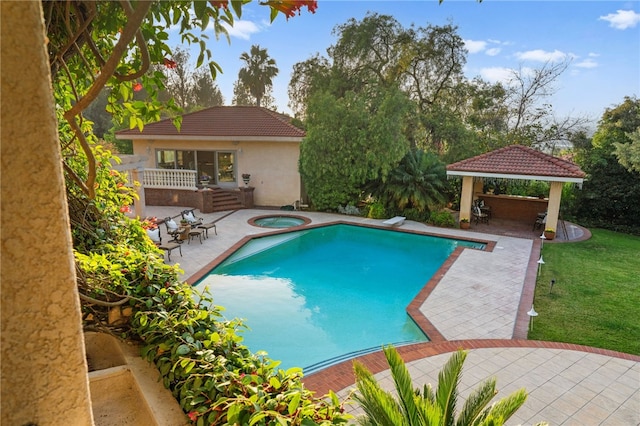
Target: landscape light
[{"x": 532, "y": 313}]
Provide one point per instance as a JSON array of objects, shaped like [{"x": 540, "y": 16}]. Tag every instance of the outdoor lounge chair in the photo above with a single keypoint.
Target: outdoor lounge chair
[
  {"x": 191, "y": 218},
  {"x": 478, "y": 216},
  {"x": 154, "y": 235},
  {"x": 172, "y": 229},
  {"x": 541, "y": 220}
]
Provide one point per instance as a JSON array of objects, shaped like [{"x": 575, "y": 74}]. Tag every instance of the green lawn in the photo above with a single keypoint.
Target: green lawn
[{"x": 596, "y": 298}]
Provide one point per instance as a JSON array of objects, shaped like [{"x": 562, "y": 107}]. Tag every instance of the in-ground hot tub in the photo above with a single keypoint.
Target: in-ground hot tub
[{"x": 279, "y": 221}]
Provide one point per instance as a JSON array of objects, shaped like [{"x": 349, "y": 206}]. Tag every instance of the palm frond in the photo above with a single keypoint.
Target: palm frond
[
  {"x": 379, "y": 406},
  {"x": 447, "y": 392},
  {"x": 476, "y": 402},
  {"x": 404, "y": 385},
  {"x": 503, "y": 409}
]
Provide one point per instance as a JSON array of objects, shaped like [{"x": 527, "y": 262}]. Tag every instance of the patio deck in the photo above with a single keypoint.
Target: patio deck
[{"x": 478, "y": 301}]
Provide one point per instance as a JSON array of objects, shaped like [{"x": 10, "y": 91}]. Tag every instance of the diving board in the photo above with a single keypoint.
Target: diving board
[{"x": 395, "y": 221}]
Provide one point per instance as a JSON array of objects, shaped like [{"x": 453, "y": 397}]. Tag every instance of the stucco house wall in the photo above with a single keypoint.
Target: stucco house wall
[
  {"x": 44, "y": 371},
  {"x": 273, "y": 165}
]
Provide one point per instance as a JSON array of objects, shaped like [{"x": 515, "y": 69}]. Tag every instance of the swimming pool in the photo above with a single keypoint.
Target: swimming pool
[{"x": 317, "y": 296}]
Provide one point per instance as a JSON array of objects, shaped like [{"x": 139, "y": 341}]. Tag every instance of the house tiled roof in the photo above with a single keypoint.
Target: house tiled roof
[
  {"x": 223, "y": 121},
  {"x": 518, "y": 160}
]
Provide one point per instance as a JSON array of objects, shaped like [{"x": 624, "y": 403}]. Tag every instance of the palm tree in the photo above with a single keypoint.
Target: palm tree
[
  {"x": 430, "y": 407},
  {"x": 419, "y": 182},
  {"x": 258, "y": 72}
]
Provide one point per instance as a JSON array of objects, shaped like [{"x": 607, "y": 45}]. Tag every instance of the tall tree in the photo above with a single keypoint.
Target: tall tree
[
  {"x": 364, "y": 141},
  {"x": 258, "y": 73},
  {"x": 204, "y": 90},
  {"x": 179, "y": 79},
  {"x": 242, "y": 96},
  {"x": 610, "y": 197}
]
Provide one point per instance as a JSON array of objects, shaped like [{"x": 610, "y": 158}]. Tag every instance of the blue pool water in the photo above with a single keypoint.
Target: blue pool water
[
  {"x": 279, "y": 222},
  {"x": 316, "y": 296}
]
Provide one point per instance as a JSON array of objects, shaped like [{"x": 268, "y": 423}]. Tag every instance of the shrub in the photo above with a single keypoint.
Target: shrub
[
  {"x": 442, "y": 218},
  {"x": 349, "y": 209},
  {"x": 416, "y": 215},
  {"x": 376, "y": 211}
]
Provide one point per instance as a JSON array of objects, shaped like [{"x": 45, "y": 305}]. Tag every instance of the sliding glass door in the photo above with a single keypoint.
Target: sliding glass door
[{"x": 212, "y": 167}]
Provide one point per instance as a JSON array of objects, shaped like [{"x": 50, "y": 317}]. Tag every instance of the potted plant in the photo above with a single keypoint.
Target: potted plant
[
  {"x": 549, "y": 234},
  {"x": 246, "y": 177},
  {"x": 464, "y": 223}
]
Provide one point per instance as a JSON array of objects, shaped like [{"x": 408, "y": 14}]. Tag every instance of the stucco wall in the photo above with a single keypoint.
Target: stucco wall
[
  {"x": 273, "y": 165},
  {"x": 44, "y": 372}
]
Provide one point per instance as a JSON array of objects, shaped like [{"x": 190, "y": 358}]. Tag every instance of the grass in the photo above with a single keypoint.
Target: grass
[{"x": 596, "y": 297}]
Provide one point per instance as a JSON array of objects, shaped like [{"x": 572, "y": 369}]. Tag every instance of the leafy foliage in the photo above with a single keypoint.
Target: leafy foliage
[
  {"x": 418, "y": 182},
  {"x": 442, "y": 218},
  {"x": 258, "y": 73},
  {"x": 430, "y": 407},
  {"x": 364, "y": 142},
  {"x": 200, "y": 357},
  {"x": 610, "y": 197}
]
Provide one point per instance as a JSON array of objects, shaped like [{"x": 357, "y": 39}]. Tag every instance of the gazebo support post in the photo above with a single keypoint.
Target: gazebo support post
[
  {"x": 466, "y": 198},
  {"x": 553, "y": 208}
]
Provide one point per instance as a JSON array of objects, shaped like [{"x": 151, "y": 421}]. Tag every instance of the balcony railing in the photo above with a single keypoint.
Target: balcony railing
[{"x": 169, "y": 179}]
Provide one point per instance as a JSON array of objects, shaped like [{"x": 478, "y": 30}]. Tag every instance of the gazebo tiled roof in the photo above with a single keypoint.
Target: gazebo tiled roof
[
  {"x": 221, "y": 122},
  {"x": 518, "y": 162}
]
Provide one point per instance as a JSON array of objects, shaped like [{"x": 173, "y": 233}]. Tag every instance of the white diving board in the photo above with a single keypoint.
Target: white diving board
[{"x": 395, "y": 221}]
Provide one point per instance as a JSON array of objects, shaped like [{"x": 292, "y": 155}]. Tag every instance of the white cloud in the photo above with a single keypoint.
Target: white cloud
[
  {"x": 505, "y": 75},
  {"x": 475, "y": 46},
  {"x": 242, "y": 29},
  {"x": 593, "y": 55},
  {"x": 496, "y": 74},
  {"x": 493, "y": 51},
  {"x": 587, "y": 63},
  {"x": 622, "y": 19},
  {"x": 540, "y": 55}
]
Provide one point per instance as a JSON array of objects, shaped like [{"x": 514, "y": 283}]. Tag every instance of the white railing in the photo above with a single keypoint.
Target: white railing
[{"x": 169, "y": 179}]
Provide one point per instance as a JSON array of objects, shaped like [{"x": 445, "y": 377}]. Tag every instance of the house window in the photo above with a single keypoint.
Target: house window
[
  {"x": 212, "y": 167},
  {"x": 165, "y": 159}
]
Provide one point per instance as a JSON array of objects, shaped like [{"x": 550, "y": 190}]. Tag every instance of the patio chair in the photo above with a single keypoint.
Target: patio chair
[
  {"x": 198, "y": 222},
  {"x": 172, "y": 228},
  {"x": 154, "y": 235},
  {"x": 191, "y": 218},
  {"x": 478, "y": 216},
  {"x": 541, "y": 220}
]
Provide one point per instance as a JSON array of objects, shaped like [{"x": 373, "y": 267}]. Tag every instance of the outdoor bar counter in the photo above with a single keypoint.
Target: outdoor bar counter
[{"x": 513, "y": 207}]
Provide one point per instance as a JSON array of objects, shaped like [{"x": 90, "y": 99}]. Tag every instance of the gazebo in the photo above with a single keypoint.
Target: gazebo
[{"x": 515, "y": 162}]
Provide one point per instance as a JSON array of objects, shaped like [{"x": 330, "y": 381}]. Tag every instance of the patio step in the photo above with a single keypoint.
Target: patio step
[{"x": 225, "y": 199}]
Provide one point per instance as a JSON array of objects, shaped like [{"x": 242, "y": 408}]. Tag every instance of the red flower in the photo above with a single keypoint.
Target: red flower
[
  {"x": 220, "y": 4},
  {"x": 137, "y": 87},
  {"x": 125, "y": 209},
  {"x": 169, "y": 63},
  {"x": 193, "y": 415}
]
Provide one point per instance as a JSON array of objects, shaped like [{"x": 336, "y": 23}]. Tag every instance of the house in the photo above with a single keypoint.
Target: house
[{"x": 218, "y": 145}]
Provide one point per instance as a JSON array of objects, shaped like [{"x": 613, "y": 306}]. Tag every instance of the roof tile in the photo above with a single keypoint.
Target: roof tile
[
  {"x": 518, "y": 160},
  {"x": 222, "y": 121}
]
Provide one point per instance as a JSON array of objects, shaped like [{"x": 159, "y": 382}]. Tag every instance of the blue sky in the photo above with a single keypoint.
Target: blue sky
[{"x": 601, "y": 37}]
